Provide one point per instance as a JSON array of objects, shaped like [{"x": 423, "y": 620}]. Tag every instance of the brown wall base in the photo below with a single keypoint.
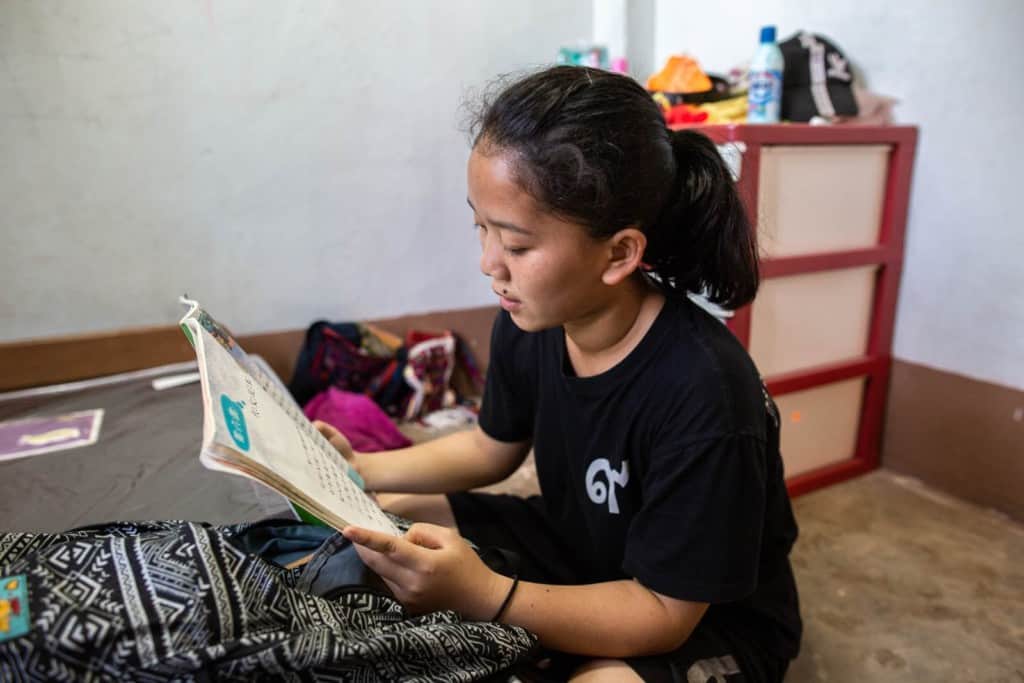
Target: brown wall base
[
  {"x": 960, "y": 435},
  {"x": 67, "y": 359},
  {"x": 963, "y": 436}
]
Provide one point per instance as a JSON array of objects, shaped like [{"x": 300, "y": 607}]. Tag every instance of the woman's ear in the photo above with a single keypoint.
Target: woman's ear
[{"x": 626, "y": 251}]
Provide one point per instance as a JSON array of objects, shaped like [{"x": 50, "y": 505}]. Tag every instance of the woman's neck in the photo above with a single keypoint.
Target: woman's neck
[{"x": 600, "y": 341}]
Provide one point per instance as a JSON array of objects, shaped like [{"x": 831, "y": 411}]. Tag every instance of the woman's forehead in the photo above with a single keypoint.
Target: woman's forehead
[
  {"x": 495, "y": 193},
  {"x": 498, "y": 199}
]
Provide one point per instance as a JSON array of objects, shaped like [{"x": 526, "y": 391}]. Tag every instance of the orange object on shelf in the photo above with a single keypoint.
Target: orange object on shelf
[{"x": 681, "y": 74}]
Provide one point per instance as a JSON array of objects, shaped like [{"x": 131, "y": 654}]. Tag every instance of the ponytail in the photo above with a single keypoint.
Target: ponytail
[{"x": 703, "y": 241}]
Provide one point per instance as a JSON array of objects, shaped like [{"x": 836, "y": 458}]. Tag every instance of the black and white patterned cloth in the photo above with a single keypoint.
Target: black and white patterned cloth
[{"x": 178, "y": 601}]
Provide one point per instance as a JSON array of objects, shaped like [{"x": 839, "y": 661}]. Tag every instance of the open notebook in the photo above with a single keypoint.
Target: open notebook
[{"x": 253, "y": 428}]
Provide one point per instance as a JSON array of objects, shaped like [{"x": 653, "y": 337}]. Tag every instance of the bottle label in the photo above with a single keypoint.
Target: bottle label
[{"x": 765, "y": 95}]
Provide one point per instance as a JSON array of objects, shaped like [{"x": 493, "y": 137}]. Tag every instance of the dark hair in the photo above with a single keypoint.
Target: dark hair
[{"x": 592, "y": 146}]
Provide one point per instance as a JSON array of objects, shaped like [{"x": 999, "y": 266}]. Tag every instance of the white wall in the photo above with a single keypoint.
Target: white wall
[
  {"x": 280, "y": 161},
  {"x": 956, "y": 68},
  {"x": 610, "y": 26},
  {"x": 640, "y": 27}
]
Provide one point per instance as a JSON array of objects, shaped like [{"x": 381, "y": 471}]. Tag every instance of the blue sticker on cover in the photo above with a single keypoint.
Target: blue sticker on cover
[
  {"x": 234, "y": 417},
  {"x": 13, "y": 607}
]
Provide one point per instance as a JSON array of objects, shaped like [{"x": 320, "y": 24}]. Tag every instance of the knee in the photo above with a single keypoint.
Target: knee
[{"x": 602, "y": 670}]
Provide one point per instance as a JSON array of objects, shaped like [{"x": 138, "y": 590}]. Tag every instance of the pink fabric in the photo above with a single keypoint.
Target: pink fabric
[{"x": 356, "y": 416}]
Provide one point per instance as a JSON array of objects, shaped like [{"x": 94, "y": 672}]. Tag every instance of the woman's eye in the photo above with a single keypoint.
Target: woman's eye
[{"x": 516, "y": 251}]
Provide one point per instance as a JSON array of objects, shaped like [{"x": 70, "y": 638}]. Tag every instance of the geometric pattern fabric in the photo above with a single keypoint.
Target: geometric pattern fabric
[{"x": 176, "y": 601}]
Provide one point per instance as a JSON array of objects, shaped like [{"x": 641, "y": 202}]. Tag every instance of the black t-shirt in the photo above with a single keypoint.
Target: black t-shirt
[{"x": 665, "y": 468}]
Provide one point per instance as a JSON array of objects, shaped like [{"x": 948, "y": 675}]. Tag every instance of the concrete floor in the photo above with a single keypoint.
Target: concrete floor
[{"x": 900, "y": 583}]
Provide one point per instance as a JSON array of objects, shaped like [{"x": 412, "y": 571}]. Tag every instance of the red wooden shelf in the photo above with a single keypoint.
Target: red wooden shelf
[
  {"x": 832, "y": 260},
  {"x": 887, "y": 254}
]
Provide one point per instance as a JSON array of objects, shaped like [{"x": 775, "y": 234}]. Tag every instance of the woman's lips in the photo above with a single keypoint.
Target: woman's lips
[{"x": 510, "y": 305}]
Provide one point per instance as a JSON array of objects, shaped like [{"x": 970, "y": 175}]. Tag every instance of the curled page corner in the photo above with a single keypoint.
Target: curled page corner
[{"x": 190, "y": 304}]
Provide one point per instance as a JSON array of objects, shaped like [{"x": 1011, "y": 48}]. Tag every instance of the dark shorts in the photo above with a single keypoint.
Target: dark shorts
[{"x": 521, "y": 526}]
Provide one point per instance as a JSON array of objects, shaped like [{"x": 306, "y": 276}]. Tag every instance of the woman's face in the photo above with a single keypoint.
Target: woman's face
[{"x": 545, "y": 270}]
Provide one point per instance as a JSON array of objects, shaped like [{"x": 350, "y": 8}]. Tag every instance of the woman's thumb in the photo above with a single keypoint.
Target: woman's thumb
[{"x": 327, "y": 430}]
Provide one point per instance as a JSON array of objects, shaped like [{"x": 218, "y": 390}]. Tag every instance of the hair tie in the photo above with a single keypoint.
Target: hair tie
[{"x": 508, "y": 598}]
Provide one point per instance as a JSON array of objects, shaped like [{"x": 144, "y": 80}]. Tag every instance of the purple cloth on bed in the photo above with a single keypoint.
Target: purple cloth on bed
[{"x": 356, "y": 416}]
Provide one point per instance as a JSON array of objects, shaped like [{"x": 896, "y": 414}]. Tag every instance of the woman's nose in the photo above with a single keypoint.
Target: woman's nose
[{"x": 492, "y": 264}]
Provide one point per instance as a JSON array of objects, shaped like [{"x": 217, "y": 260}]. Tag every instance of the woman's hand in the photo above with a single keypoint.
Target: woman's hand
[
  {"x": 336, "y": 438},
  {"x": 432, "y": 568},
  {"x": 343, "y": 446}
]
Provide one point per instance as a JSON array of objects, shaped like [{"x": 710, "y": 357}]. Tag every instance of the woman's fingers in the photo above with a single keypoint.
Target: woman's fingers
[
  {"x": 394, "y": 574},
  {"x": 374, "y": 540},
  {"x": 431, "y": 567},
  {"x": 389, "y": 559},
  {"x": 430, "y": 535},
  {"x": 398, "y": 550},
  {"x": 327, "y": 430},
  {"x": 335, "y": 438}
]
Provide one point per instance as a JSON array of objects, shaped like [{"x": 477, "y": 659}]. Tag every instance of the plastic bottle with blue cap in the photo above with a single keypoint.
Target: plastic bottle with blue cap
[{"x": 764, "y": 100}]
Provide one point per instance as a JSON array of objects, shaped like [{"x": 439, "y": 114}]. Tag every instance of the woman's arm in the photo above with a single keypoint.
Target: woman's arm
[
  {"x": 456, "y": 462},
  {"x": 433, "y": 568},
  {"x": 613, "y": 619}
]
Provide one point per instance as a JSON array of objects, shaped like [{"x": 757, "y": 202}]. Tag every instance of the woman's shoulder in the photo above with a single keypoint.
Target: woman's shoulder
[
  {"x": 704, "y": 372},
  {"x": 704, "y": 344}
]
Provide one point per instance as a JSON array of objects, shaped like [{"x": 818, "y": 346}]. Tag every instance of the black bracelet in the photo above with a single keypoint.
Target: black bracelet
[{"x": 508, "y": 598}]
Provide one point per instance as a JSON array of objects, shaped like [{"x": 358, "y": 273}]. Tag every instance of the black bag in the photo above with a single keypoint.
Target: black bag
[{"x": 331, "y": 356}]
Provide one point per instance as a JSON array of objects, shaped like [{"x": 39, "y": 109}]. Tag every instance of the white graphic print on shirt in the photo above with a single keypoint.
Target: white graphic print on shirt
[{"x": 599, "y": 491}]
